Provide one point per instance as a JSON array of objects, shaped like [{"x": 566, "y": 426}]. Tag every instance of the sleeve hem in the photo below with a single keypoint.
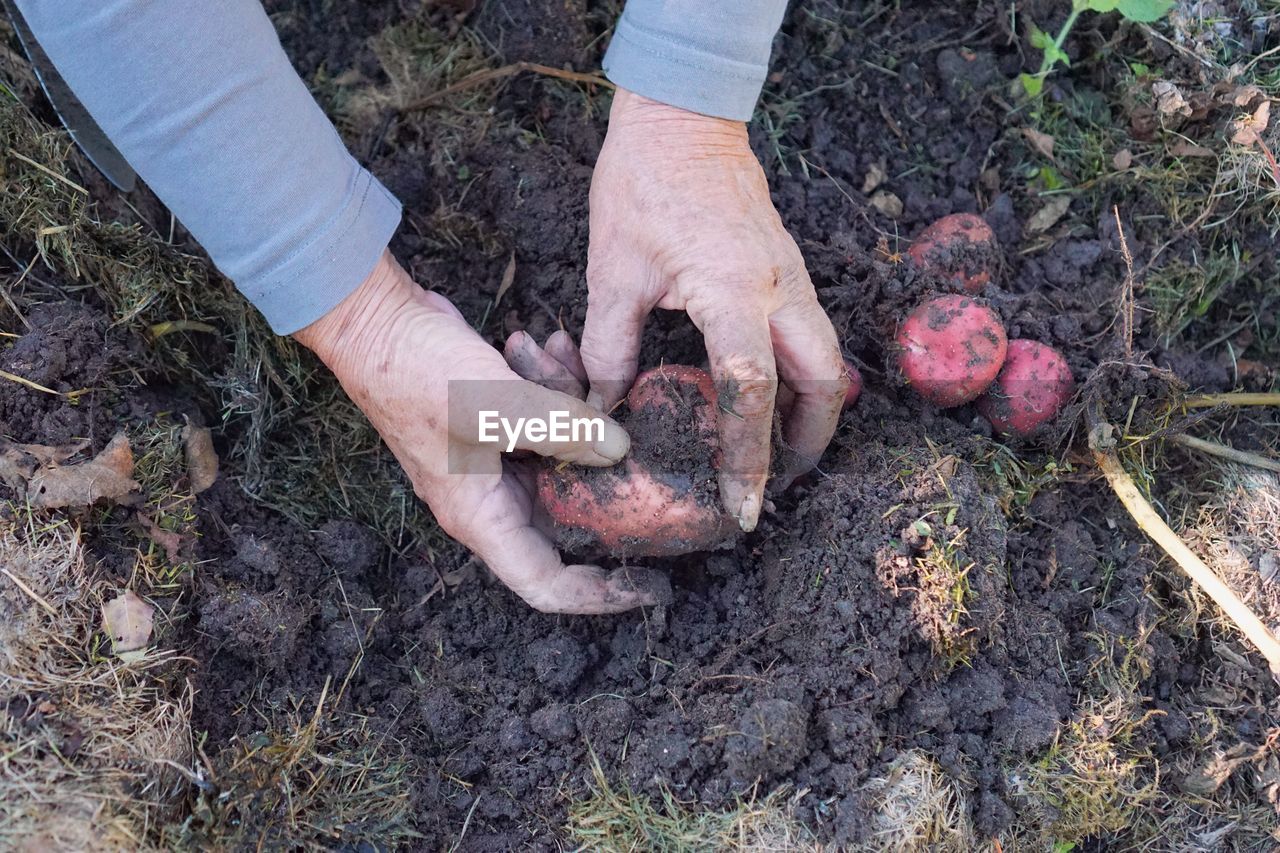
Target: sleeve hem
[
  {"x": 312, "y": 282},
  {"x": 683, "y": 76}
]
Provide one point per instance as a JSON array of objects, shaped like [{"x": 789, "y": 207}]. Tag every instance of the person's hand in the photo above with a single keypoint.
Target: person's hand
[
  {"x": 421, "y": 375},
  {"x": 681, "y": 219}
]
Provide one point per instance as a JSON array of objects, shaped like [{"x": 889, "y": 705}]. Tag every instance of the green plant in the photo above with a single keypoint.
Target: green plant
[{"x": 1141, "y": 11}]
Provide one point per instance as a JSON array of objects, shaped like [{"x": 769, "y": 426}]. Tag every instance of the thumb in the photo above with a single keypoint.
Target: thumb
[{"x": 514, "y": 414}]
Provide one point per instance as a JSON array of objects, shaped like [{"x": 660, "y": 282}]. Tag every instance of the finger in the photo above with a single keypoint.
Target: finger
[
  {"x": 611, "y": 346},
  {"x": 741, "y": 355},
  {"x": 561, "y": 347},
  {"x": 521, "y": 415},
  {"x": 809, "y": 361},
  {"x": 526, "y": 561},
  {"x": 526, "y": 358}
]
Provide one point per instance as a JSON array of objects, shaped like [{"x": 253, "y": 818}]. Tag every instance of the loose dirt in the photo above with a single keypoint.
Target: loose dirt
[{"x": 889, "y": 601}]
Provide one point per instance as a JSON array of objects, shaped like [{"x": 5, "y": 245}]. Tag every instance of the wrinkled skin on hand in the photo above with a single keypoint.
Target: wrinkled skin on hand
[
  {"x": 395, "y": 347},
  {"x": 681, "y": 219}
]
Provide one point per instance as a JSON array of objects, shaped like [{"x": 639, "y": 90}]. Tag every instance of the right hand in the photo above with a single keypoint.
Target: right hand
[{"x": 395, "y": 348}]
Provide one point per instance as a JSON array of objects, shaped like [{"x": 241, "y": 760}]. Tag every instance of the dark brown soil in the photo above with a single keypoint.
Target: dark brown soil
[{"x": 816, "y": 649}]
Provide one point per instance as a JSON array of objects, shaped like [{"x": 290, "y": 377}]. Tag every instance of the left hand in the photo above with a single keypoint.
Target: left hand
[{"x": 681, "y": 219}]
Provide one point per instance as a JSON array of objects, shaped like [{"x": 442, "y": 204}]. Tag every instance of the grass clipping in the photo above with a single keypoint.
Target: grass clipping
[{"x": 92, "y": 747}]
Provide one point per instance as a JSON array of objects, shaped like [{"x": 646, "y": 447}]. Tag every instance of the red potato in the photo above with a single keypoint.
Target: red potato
[
  {"x": 639, "y": 508},
  {"x": 1033, "y": 386},
  {"x": 950, "y": 349},
  {"x": 854, "y": 390},
  {"x": 959, "y": 247}
]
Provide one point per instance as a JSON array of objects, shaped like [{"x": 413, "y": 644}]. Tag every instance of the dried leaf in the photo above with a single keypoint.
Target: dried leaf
[
  {"x": 168, "y": 540},
  {"x": 1039, "y": 140},
  {"x": 1269, "y": 567},
  {"x": 1122, "y": 160},
  {"x": 108, "y": 476},
  {"x": 876, "y": 175},
  {"x": 1249, "y": 130},
  {"x": 53, "y": 455},
  {"x": 127, "y": 620},
  {"x": 1169, "y": 99},
  {"x": 887, "y": 203},
  {"x": 1046, "y": 217},
  {"x": 1182, "y": 148},
  {"x": 1208, "y": 779},
  {"x": 1242, "y": 96},
  {"x": 508, "y": 278},
  {"x": 202, "y": 459}
]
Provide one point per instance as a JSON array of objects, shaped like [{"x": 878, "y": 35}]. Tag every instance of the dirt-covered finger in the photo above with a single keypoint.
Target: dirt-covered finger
[
  {"x": 515, "y": 414},
  {"x": 611, "y": 346},
  {"x": 741, "y": 355},
  {"x": 808, "y": 359},
  {"x": 562, "y": 347},
  {"x": 532, "y": 362}
]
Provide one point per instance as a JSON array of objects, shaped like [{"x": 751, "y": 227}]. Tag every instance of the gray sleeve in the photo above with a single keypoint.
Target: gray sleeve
[
  {"x": 201, "y": 99},
  {"x": 708, "y": 56}
]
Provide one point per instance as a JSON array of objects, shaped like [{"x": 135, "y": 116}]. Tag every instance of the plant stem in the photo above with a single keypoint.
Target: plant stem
[
  {"x": 1046, "y": 64},
  {"x": 1240, "y": 398},
  {"x": 1154, "y": 526},
  {"x": 1222, "y": 451}
]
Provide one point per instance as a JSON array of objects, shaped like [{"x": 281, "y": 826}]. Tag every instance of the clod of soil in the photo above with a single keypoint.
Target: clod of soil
[
  {"x": 950, "y": 349},
  {"x": 1033, "y": 386},
  {"x": 664, "y": 498},
  {"x": 960, "y": 247}
]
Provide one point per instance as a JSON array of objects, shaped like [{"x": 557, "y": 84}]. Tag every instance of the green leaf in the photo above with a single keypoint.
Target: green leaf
[
  {"x": 1139, "y": 69},
  {"x": 1040, "y": 39},
  {"x": 1102, "y": 5},
  {"x": 1056, "y": 54},
  {"x": 1144, "y": 11},
  {"x": 1033, "y": 83}
]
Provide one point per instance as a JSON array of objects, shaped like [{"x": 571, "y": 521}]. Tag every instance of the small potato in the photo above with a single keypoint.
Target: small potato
[
  {"x": 855, "y": 383},
  {"x": 1033, "y": 386},
  {"x": 961, "y": 247},
  {"x": 950, "y": 349},
  {"x": 663, "y": 499}
]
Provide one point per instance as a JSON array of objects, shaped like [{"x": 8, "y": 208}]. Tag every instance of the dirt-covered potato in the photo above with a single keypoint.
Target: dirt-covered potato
[
  {"x": 664, "y": 498},
  {"x": 950, "y": 349},
  {"x": 960, "y": 247},
  {"x": 1032, "y": 387}
]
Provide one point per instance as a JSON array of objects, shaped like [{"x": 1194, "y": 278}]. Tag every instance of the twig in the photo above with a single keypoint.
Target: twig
[
  {"x": 36, "y": 386},
  {"x": 30, "y": 592},
  {"x": 488, "y": 75},
  {"x": 1222, "y": 451},
  {"x": 1126, "y": 295},
  {"x": 1237, "y": 398},
  {"x": 50, "y": 173},
  {"x": 1154, "y": 526}
]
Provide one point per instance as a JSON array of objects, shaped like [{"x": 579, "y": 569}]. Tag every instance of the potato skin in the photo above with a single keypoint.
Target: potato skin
[
  {"x": 940, "y": 249},
  {"x": 631, "y": 509},
  {"x": 950, "y": 349},
  {"x": 854, "y": 375},
  {"x": 1033, "y": 386}
]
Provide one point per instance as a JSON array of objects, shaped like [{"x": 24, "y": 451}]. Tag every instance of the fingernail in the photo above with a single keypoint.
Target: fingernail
[
  {"x": 749, "y": 513},
  {"x": 615, "y": 443}
]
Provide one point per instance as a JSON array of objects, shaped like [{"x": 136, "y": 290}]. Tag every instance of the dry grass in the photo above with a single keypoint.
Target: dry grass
[
  {"x": 917, "y": 807},
  {"x": 93, "y": 750},
  {"x": 616, "y": 818},
  {"x": 1099, "y": 778},
  {"x": 311, "y": 780}
]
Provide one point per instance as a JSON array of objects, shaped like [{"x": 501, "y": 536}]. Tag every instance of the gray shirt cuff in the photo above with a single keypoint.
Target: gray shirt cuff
[
  {"x": 201, "y": 100},
  {"x": 706, "y": 56}
]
